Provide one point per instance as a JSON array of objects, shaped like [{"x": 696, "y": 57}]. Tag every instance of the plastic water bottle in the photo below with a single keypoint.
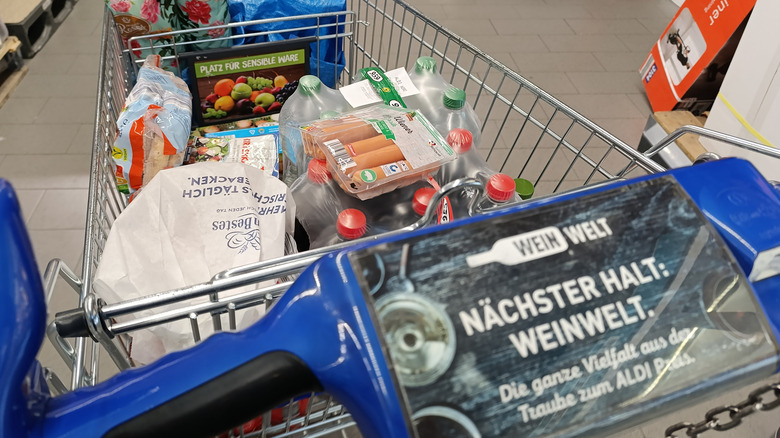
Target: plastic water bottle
[
  {"x": 401, "y": 207},
  {"x": 431, "y": 85},
  {"x": 500, "y": 190},
  {"x": 422, "y": 198},
  {"x": 457, "y": 113},
  {"x": 350, "y": 224},
  {"x": 311, "y": 99},
  {"x": 469, "y": 162},
  {"x": 318, "y": 200},
  {"x": 393, "y": 210},
  {"x": 524, "y": 188}
]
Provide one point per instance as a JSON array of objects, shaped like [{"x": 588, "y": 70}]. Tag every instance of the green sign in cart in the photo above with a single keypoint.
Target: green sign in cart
[{"x": 246, "y": 81}]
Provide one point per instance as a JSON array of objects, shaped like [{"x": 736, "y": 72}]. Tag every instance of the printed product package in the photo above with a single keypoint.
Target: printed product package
[
  {"x": 264, "y": 129},
  {"x": 187, "y": 225},
  {"x": 260, "y": 152},
  {"x": 153, "y": 128},
  {"x": 686, "y": 66},
  {"x": 261, "y": 122},
  {"x": 376, "y": 150},
  {"x": 259, "y": 128}
]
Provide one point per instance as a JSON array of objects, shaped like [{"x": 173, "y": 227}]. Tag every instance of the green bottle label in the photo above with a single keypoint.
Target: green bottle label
[{"x": 383, "y": 86}]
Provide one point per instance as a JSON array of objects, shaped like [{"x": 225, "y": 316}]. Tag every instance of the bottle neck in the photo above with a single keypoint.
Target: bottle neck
[
  {"x": 344, "y": 238},
  {"x": 495, "y": 202}
]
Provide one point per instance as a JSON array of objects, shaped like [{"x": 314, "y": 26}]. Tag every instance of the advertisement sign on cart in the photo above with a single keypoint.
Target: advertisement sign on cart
[
  {"x": 244, "y": 82},
  {"x": 552, "y": 320}
]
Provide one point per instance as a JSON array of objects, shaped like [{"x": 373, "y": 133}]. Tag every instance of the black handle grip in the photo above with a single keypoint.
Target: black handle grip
[
  {"x": 71, "y": 323},
  {"x": 226, "y": 401}
]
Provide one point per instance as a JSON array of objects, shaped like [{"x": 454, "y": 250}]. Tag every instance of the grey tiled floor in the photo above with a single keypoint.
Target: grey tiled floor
[{"x": 585, "y": 52}]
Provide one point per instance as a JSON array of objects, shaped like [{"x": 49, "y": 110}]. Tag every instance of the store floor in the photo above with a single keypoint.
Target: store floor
[{"x": 585, "y": 52}]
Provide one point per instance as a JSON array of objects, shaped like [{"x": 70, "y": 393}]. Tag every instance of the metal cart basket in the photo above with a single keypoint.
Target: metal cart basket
[{"x": 525, "y": 133}]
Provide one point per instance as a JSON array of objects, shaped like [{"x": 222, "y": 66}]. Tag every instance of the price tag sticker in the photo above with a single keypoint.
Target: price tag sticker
[{"x": 366, "y": 92}]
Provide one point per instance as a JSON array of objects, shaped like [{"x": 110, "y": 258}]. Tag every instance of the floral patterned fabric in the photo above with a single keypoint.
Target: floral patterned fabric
[
  {"x": 150, "y": 10},
  {"x": 143, "y": 17},
  {"x": 198, "y": 11}
]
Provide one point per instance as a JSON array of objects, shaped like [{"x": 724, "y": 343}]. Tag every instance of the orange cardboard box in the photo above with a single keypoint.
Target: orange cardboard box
[{"x": 686, "y": 66}]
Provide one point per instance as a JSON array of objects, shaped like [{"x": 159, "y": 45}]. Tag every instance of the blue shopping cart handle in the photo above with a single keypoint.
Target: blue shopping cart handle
[
  {"x": 226, "y": 400},
  {"x": 308, "y": 341},
  {"x": 22, "y": 314},
  {"x": 323, "y": 335}
]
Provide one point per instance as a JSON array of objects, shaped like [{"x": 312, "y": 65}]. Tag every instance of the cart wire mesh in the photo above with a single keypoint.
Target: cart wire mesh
[{"x": 525, "y": 133}]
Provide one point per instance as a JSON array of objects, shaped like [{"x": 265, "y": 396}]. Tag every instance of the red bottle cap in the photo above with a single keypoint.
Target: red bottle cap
[
  {"x": 422, "y": 197},
  {"x": 351, "y": 223},
  {"x": 318, "y": 172},
  {"x": 460, "y": 140},
  {"x": 500, "y": 187}
]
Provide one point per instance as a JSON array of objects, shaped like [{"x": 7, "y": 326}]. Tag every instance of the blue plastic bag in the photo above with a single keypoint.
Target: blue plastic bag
[{"x": 327, "y": 56}]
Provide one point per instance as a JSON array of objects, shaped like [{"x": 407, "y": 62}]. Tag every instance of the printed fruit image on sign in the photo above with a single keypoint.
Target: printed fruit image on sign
[
  {"x": 236, "y": 97},
  {"x": 233, "y": 88}
]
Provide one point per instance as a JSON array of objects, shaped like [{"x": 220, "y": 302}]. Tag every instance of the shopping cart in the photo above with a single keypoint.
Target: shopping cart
[{"x": 525, "y": 133}]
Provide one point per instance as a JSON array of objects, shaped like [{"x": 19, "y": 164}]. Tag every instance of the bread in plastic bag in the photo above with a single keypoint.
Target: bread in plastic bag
[{"x": 153, "y": 127}]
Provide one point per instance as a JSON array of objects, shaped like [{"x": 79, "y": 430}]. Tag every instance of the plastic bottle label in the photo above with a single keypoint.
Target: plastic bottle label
[
  {"x": 444, "y": 212},
  {"x": 363, "y": 93},
  {"x": 383, "y": 86}
]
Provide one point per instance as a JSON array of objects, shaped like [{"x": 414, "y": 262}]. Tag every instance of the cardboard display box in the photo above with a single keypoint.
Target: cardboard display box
[
  {"x": 686, "y": 66},
  {"x": 748, "y": 105}
]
